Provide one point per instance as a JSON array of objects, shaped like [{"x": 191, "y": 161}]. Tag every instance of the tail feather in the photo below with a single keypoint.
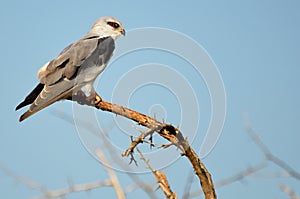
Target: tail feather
[
  {"x": 26, "y": 115},
  {"x": 45, "y": 98},
  {"x": 31, "y": 96}
]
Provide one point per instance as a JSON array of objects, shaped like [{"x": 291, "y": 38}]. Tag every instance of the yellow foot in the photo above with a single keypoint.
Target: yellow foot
[
  {"x": 98, "y": 99},
  {"x": 94, "y": 98}
]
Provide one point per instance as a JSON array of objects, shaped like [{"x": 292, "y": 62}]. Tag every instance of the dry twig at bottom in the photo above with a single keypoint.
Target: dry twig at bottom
[
  {"x": 268, "y": 154},
  {"x": 147, "y": 188},
  {"x": 58, "y": 193},
  {"x": 288, "y": 191},
  {"x": 160, "y": 178},
  {"x": 113, "y": 177},
  {"x": 166, "y": 131}
]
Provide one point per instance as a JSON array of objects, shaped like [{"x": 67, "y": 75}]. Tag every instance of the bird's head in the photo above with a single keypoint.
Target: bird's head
[{"x": 108, "y": 26}]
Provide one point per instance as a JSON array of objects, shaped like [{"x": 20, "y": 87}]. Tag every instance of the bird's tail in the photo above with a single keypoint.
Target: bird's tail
[
  {"x": 31, "y": 96},
  {"x": 45, "y": 98},
  {"x": 26, "y": 115}
]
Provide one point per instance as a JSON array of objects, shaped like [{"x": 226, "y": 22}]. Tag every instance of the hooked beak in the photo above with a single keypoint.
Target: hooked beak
[{"x": 123, "y": 32}]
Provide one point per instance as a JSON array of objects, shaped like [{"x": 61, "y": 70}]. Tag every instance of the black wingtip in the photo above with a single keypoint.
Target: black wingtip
[
  {"x": 22, "y": 104},
  {"x": 31, "y": 97}
]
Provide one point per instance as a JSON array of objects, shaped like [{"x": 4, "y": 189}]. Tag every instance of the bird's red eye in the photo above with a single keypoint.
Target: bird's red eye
[{"x": 113, "y": 24}]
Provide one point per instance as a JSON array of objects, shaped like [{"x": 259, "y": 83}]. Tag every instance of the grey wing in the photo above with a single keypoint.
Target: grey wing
[
  {"x": 68, "y": 61},
  {"x": 102, "y": 53},
  {"x": 48, "y": 96},
  {"x": 59, "y": 75},
  {"x": 97, "y": 60}
]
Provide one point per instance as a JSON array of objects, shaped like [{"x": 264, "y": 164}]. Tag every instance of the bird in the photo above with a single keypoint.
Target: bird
[{"x": 75, "y": 68}]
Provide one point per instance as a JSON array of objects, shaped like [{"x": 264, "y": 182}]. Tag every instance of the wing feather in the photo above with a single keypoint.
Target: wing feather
[
  {"x": 31, "y": 96},
  {"x": 41, "y": 103},
  {"x": 57, "y": 76},
  {"x": 67, "y": 62}
]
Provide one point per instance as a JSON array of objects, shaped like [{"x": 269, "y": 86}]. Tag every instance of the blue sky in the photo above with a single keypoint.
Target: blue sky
[{"x": 255, "y": 46}]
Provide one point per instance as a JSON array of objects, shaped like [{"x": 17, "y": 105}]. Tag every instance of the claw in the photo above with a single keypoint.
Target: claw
[
  {"x": 98, "y": 99},
  {"x": 94, "y": 98}
]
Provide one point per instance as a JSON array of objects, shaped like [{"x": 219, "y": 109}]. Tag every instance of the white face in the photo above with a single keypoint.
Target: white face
[{"x": 108, "y": 26}]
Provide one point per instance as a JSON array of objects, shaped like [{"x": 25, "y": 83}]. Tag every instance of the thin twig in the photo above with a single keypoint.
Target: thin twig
[
  {"x": 274, "y": 174},
  {"x": 144, "y": 186},
  {"x": 288, "y": 191},
  {"x": 113, "y": 177},
  {"x": 236, "y": 177},
  {"x": 137, "y": 182},
  {"x": 23, "y": 180},
  {"x": 54, "y": 193},
  {"x": 168, "y": 132},
  {"x": 268, "y": 154},
  {"x": 242, "y": 174},
  {"x": 138, "y": 140},
  {"x": 160, "y": 177},
  {"x": 75, "y": 188}
]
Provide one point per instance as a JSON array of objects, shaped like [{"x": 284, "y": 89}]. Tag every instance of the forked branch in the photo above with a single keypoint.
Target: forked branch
[{"x": 166, "y": 131}]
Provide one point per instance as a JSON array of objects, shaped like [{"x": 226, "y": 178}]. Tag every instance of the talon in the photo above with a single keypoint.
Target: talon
[
  {"x": 98, "y": 99},
  {"x": 94, "y": 98}
]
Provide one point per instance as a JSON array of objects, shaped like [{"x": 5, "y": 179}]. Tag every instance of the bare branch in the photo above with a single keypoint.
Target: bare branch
[
  {"x": 54, "y": 193},
  {"x": 23, "y": 180},
  {"x": 288, "y": 191},
  {"x": 274, "y": 174},
  {"x": 236, "y": 177},
  {"x": 268, "y": 154},
  {"x": 137, "y": 182},
  {"x": 242, "y": 174},
  {"x": 148, "y": 188},
  {"x": 137, "y": 141},
  {"x": 112, "y": 175},
  {"x": 161, "y": 179},
  {"x": 75, "y": 188},
  {"x": 168, "y": 132}
]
